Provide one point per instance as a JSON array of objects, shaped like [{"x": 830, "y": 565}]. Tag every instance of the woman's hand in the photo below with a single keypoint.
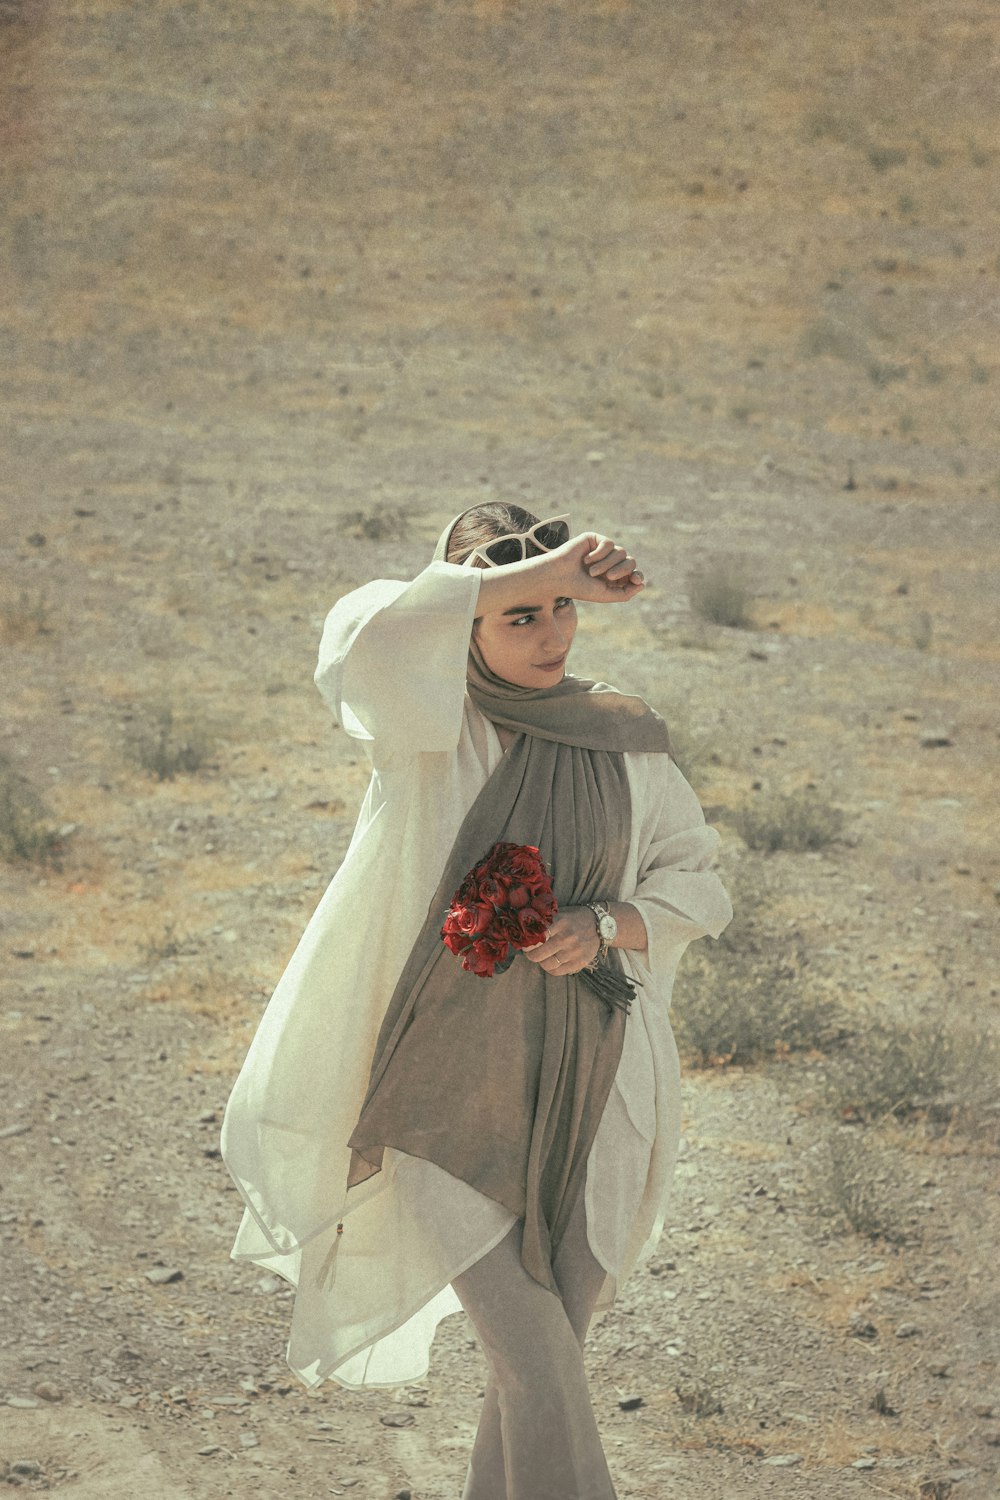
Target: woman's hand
[
  {"x": 595, "y": 568},
  {"x": 571, "y": 943}
]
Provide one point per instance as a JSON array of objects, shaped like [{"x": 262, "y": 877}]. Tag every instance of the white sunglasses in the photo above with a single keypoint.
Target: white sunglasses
[{"x": 513, "y": 546}]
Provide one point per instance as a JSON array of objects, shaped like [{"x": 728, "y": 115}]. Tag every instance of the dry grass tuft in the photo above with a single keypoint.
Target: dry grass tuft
[
  {"x": 788, "y": 820},
  {"x": 25, "y": 618},
  {"x": 746, "y": 997},
  {"x": 720, "y": 592},
  {"x": 859, "y": 1187},
  {"x": 27, "y": 833},
  {"x": 164, "y": 743},
  {"x": 380, "y": 524},
  {"x": 945, "y": 1075}
]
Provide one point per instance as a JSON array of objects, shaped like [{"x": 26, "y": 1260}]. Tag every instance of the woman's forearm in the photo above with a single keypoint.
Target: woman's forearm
[
  {"x": 631, "y": 927},
  {"x": 509, "y": 586},
  {"x": 588, "y": 567}
]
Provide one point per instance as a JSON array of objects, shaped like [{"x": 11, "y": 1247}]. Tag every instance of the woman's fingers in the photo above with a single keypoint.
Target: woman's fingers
[{"x": 609, "y": 561}]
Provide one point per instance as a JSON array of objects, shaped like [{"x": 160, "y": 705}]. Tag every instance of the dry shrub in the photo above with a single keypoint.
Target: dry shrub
[
  {"x": 788, "y": 820},
  {"x": 719, "y": 592},
  {"x": 26, "y": 829},
  {"x": 943, "y": 1074},
  {"x": 746, "y": 997},
  {"x": 24, "y": 618},
  {"x": 164, "y": 743},
  {"x": 381, "y": 523},
  {"x": 858, "y": 1187}
]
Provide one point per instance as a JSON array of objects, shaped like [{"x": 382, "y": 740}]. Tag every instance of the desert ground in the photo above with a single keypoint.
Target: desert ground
[{"x": 287, "y": 286}]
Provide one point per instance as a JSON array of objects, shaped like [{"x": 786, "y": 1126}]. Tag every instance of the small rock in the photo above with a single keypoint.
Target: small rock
[
  {"x": 784, "y": 1460},
  {"x": 249, "y": 1440},
  {"x": 160, "y": 1275},
  {"x": 984, "y": 1409},
  {"x": 26, "y": 1468},
  {"x": 22, "y": 1403},
  {"x": 938, "y": 1367},
  {"x": 48, "y": 1391},
  {"x": 861, "y": 1327},
  {"x": 908, "y": 1331},
  {"x": 595, "y": 456},
  {"x": 404, "y": 1494},
  {"x": 929, "y": 738},
  {"x": 863, "y": 1463},
  {"x": 397, "y": 1419},
  {"x": 630, "y": 1403},
  {"x": 207, "y": 1452},
  {"x": 9, "y": 1130}
]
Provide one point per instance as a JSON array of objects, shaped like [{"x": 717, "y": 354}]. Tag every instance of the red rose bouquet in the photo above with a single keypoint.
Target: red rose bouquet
[{"x": 505, "y": 903}]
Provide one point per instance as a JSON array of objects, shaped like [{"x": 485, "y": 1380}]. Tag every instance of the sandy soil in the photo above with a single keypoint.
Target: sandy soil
[{"x": 288, "y": 287}]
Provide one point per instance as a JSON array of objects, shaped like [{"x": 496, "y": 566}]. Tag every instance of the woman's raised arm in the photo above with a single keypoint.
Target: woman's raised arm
[
  {"x": 392, "y": 659},
  {"x": 588, "y": 567}
]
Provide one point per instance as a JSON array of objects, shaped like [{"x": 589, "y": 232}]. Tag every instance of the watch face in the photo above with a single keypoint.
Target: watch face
[{"x": 608, "y": 927}]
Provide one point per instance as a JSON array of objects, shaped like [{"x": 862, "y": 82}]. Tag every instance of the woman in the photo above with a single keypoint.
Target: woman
[{"x": 410, "y": 1138}]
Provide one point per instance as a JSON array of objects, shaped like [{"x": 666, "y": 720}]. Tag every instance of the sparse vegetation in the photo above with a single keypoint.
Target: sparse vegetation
[
  {"x": 381, "y": 523},
  {"x": 26, "y": 828},
  {"x": 883, "y": 372},
  {"x": 942, "y": 1073},
  {"x": 788, "y": 820},
  {"x": 719, "y": 592},
  {"x": 165, "y": 745},
  {"x": 25, "y": 617},
  {"x": 827, "y": 337},
  {"x": 746, "y": 997},
  {"x": 922, "y": 630},
  {"x": 165, "y": 943},
  {"x": 858, "y": 1186},
  {"x": 884, "y": 157},
  {"x": 698, "y": 1398},
  {"x": 826, "y": 124}
]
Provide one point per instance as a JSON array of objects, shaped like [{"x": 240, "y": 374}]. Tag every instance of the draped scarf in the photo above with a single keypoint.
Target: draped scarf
[{"x": 502, "y": 1082}]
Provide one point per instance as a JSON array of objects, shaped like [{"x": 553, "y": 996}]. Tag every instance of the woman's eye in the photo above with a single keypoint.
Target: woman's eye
[{"x": 560, "y": 603}]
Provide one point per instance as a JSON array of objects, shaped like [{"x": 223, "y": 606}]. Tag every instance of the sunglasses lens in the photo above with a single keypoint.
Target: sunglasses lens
[
  {"x": 509, "y": 550},
  {"x": 553, "y": 535}
]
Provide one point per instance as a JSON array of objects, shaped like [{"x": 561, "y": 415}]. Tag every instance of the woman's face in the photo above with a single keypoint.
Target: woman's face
[{"x": 529, "y": 645}]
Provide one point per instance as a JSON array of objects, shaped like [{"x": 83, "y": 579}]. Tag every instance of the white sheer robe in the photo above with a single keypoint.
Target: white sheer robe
[{"x": 392, "y": 669}]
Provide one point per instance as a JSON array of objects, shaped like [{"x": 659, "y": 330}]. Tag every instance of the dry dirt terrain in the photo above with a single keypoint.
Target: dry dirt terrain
[{"x": 284, "y": 287}]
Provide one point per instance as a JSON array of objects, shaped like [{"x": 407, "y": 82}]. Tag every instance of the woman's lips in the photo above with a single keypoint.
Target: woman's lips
[{"x": 550, "y": 666}]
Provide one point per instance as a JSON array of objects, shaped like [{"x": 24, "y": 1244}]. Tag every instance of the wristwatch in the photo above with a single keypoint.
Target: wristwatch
[{"x": 607, "y": 929}]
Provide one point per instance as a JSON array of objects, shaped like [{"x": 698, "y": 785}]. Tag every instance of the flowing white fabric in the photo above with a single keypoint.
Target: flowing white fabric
[{"x": 392, "y": 669}]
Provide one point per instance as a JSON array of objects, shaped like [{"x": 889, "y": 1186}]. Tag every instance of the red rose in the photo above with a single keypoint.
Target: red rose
[
  {"x": 533, "y": 927},
  {"x": 478, "y": 963},
  {"x": 504, "y": 904},
  {"x": 458, "y": 942}
]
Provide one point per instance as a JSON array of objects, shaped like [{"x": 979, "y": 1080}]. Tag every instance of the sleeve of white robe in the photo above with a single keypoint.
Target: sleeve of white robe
[
  {"x": 392, "y": 659},
  {"x": 678, "y": 895}
]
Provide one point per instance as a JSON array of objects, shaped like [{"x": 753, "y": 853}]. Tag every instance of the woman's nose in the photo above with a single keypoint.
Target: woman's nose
[{"x": 557, "y": 637}]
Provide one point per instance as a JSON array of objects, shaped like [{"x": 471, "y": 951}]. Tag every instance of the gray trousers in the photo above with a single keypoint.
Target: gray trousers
[{"x": 537, "y": 1437}]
